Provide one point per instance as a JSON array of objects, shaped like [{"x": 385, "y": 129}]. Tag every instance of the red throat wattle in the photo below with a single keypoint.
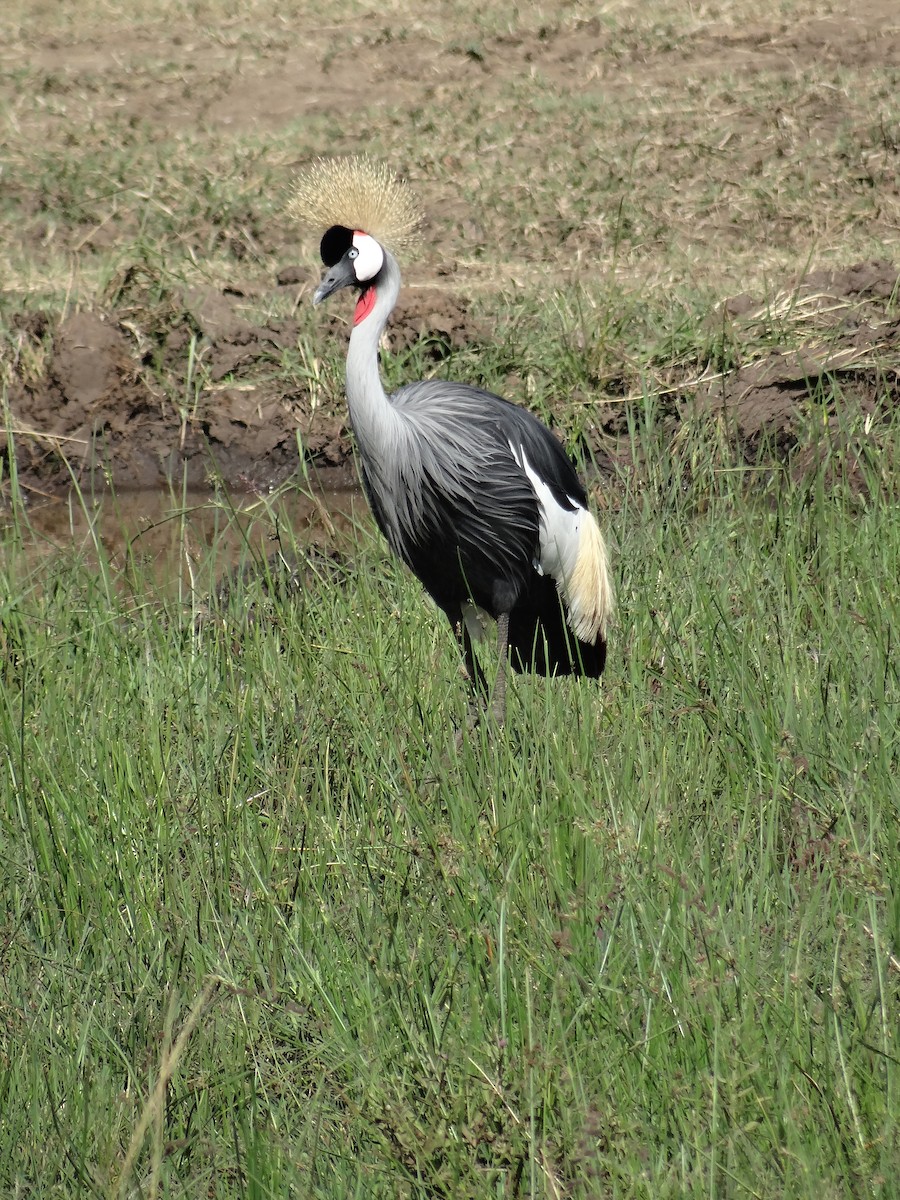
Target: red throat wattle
[{"x": 364, "y": 305}]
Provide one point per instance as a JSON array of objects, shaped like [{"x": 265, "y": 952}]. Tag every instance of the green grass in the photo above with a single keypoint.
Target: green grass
[
  {"x": 264, "y": 929},
  {"x": 267, "y": 932}
]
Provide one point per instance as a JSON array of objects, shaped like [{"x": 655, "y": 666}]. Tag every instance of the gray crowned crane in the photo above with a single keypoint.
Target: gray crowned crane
[{"x": 473, "y": 492}]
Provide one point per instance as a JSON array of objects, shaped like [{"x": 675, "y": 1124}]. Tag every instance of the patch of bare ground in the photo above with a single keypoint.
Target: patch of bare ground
[
  {"x": 844, "y": 358},
  {"x": 814, "y": 379},
  {"x": 817, "y": 379},
  {"x": 733, "y": 133},
  {"x": 271, "y": 75},
  {"x": 97, "y": 411},
  {"x": 827, "y": 345}
]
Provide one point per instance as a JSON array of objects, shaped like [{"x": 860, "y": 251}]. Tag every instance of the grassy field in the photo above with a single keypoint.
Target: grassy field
[
  {"x": 268, "y": 926},
  {"x": 267, "y": 932}
]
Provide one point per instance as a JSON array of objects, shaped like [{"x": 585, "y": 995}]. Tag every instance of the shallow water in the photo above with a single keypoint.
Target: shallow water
[{"x": 192, "y": 537}]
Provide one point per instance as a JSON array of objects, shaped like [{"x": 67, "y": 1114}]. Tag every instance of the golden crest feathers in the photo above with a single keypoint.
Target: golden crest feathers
[{"x": 359, "y": 193}]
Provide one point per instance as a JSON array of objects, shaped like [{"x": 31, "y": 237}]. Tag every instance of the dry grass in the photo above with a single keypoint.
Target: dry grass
[{"x": 718, "y": 148}]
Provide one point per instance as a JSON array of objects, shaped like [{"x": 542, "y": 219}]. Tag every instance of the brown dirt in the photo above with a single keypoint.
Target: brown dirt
[
  {"x": 88, "y": 407},
  {"x": 95, "y": 414},
  {"x": 848, "y": 362}
]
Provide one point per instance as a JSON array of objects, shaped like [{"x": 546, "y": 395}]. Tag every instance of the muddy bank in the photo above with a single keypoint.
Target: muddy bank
[{"x": 94, "y": 412}]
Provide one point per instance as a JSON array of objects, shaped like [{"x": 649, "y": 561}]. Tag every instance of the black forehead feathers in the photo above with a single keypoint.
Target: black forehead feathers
[{"x": 335, "y": 244}]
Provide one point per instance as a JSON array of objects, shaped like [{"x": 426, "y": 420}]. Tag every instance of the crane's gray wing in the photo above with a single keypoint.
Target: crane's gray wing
[{"x": 455, "y": 503}]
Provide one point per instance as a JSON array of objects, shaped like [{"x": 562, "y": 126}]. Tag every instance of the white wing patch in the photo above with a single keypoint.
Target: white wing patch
[{"x": 572, "y": 551}]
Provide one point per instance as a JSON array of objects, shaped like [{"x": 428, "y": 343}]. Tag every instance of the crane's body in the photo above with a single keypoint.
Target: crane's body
[{"x": 472, "y": 492}]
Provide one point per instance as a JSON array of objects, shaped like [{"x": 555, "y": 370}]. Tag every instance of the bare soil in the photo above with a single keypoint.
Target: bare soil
[
  {"x": 790, "y": 403},
  {"x": 91, "y": 408},
  {"x": 94, "y": 411}
]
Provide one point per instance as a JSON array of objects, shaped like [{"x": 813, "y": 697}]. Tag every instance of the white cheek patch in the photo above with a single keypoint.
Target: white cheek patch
[{"x": 370, "y": 258}]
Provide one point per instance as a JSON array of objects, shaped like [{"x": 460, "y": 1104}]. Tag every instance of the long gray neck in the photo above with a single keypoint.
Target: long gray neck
[{"x": 374, "y": 419}]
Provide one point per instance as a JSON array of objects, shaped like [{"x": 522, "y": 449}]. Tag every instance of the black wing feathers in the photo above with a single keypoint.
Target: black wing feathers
[
  {"x": 463, "y": 515},
  {"x": 541, "y": 641}
]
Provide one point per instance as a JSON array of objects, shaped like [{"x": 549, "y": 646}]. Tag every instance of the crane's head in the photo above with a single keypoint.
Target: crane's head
[
  {"x": 365, "y": 211},
  {"x": 354, "y": 259}
]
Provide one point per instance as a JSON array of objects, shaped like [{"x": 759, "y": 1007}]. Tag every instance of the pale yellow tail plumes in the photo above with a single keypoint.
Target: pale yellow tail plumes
[
  {"x": 359, "y": 193},
  {"x": 588, "y": 590}
]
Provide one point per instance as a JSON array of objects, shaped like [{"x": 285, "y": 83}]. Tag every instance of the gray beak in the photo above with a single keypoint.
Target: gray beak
[{"x": 340, "y": 276}]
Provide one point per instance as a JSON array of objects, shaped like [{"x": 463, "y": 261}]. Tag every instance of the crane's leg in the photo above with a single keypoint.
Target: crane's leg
[
  {"x": 473, "y": 668},
  {"x": 478, "y": 685},
  {"x": 477, "y": 680},
  {"x": 498, "y": 699},
  {"x": 466, "y": 643}
]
